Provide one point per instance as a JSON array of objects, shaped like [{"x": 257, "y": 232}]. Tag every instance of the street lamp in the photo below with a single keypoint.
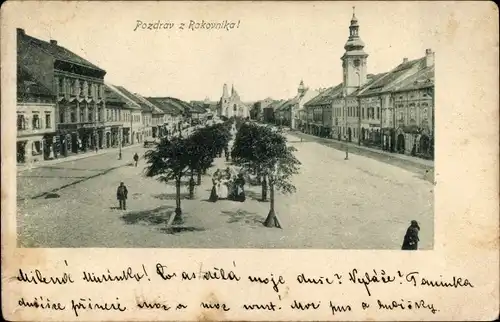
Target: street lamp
[
  {"x": 345, "y": 128},
  {"x": 120, "y": 144}
]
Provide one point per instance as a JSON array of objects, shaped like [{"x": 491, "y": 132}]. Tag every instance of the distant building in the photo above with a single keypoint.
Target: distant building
[{"x": 230, "y": 106}]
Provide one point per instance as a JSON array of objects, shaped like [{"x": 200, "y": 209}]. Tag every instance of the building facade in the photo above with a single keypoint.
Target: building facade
[
  {"x": 36, "y": 128},
  {"x": 231, "y": 105},
  {"x": 79, "y": 88},
  {"x": 393, "y": 111}
]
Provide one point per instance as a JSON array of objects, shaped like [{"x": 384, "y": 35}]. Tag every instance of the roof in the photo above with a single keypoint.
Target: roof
[
  {"x": 165, "y": 105},
  {"x": 287, "y": 105},
  {"x": 28, "y": 85},
  {"x": 119, "y": 91},
  {"x": 199, "y": 107},
  {"x": 384, "y": 84},
  {"x": 370, "y": 80},
  {"x": 275, "y": 104},
  {"x": 424, "y": 78},
  {"x": 113, "y": 97},
  {"x": 180, "y": 105},
  {"x": 326, "y": 97},
  {"x": 56, "y": 51},
  {"x": 136, "y": 99}
]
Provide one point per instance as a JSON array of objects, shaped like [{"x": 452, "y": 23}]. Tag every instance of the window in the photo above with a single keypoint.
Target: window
[
  {"x": 82, "y": 115},
  {"x": 48, "y": 121},
  {"x": 60, "y": 84},
  {"x": 99, "y": 114},
  {"x": 89, "y": 89},
  {"x": 378, "y": 113},
  {"x": 73, "y": 115},
  {"x": 21, "y": 122},
  {"x": 61, "y": 115},
  {"x": 36, "y": 121},
  {"x": 91, "y": 118},
  {"x": 37, "y": 148},
  {"x": 363, "y": 112}
]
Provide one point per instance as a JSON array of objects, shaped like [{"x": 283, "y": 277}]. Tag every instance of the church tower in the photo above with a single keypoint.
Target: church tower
[{"x": 354, "y": 59}]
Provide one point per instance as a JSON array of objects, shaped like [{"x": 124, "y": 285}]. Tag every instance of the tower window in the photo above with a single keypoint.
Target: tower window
[{"x": 357, "y": 62}]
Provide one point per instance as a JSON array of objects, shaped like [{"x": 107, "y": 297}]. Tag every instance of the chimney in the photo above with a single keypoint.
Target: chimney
[
  {"x": 405, "y": 60},
  {"x": 53, "y": 42},
  {"x": 429, "y": 58}
]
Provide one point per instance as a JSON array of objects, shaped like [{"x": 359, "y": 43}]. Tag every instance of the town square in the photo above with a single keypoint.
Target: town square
[{"x": 347, "y": 165}]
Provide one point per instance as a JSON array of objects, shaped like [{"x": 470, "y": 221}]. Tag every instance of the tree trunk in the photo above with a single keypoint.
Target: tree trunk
[
  {"x": 191, "y": 185},
  {"x": 199, "y": 177},
  {"x": 264, "y": 189},
  {"x": 259, "y": 176},
  {"x": 178, "y": 212},
  {"x": 272, "y": 220}
]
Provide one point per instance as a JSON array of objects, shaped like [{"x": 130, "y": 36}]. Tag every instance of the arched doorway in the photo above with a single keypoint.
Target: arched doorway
[
  {"x": 400, "y": 144},
  {"x": 349, "y": 134}
]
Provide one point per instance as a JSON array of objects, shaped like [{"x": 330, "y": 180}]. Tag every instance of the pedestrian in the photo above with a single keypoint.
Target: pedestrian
[
  {"x": 410, "y": 241},
  {"x": 239, "y": 188},
  {"x": 213, "y": 194},
  {"x": 136, "y": 159},
  {"x": 121, "y": 195},
  {"x": 226, "y": 153}
]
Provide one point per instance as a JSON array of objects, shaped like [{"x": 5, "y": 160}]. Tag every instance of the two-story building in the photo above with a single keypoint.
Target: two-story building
[
  {"x": 36, "y": 128},
  {"x": 79, "y": 89},
  {"x": 136, "y": 124}
]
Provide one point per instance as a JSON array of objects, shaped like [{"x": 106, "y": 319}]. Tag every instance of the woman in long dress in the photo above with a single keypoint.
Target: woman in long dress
[
  {"x": 223, "y": 189},
  {"x": 213, "y": 194}
]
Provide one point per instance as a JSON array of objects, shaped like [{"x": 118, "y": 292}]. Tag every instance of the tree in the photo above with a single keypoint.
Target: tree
[
  {"x": 280, "y": 171},
  {"x": 169, "y": 161},
  {"x": 263, "y": 150}
]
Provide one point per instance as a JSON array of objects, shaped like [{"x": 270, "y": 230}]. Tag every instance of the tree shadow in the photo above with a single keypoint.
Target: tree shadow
[
  {"x": 171, "y": 196},
  {"x": 157, "y": 216},
  {"x": 180, "y": 229},
  {"x": 247, "y": 217},
  {"x": 254, "y": 195}
]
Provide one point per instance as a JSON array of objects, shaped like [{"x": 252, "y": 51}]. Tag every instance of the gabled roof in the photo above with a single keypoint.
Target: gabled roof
[
  {"x": 56, "y": 51},
  {"x": 180, "y": 105},
  {"x": 326, "y": 97},
  {"x": 113, "y": 97},
  {"x": 165, "y": 105},
  {"x": 385, "y": 83},
  {"x": 370, "y": 80},
  {"x": 135, "y": 98},
  {"x": 28, "y": 85},
  {"x": 424, "y": 78},
  {"x": 118, "y": 90},
  {"x": 275, "y": 104}
]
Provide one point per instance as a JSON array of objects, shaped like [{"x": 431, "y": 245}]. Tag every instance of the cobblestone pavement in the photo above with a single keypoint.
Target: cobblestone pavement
[{"x": 360, "y": 203}]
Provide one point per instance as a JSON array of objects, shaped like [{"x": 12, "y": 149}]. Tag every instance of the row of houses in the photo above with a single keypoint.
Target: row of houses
[
  {"x": 393, "y": 111},
  {"x": 65, "y": 107}
]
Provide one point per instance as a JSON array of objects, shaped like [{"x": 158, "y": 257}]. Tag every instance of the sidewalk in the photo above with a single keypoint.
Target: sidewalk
[
  {"x": 30, "y": 166},
  {"x": 354, "y": 148}
]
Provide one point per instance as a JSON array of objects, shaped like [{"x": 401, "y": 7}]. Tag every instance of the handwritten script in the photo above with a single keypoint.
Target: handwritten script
[{"x": 371, "y": 284}]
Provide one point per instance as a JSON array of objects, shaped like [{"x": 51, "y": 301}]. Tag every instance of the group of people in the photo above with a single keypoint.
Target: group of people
[{"x": 226, "y": 184}]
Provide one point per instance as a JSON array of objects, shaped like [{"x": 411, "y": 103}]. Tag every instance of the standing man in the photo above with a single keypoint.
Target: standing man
[
  {"x": 121, "y": 195},
  {"x": 136, "y": 159}
]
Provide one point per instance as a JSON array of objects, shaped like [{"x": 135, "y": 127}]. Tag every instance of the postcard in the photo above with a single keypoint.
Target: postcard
[{"x": 256, "y": 161}]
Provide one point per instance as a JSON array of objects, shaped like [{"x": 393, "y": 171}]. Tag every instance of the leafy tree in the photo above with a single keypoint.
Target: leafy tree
[
  {"x": 170, "y": 160},
  {"x": 263, "y": 151}
]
